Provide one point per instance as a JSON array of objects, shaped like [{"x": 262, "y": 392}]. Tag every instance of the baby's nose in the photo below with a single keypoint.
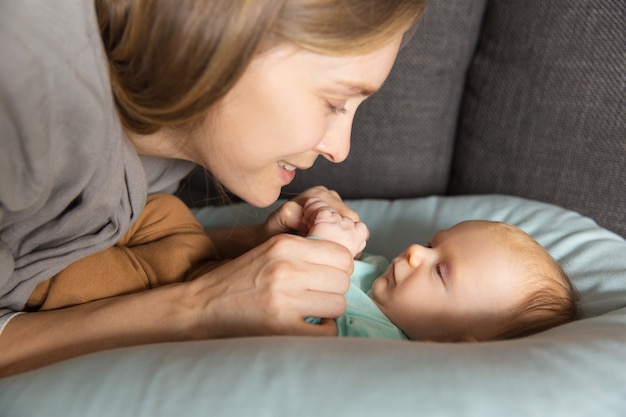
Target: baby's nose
[{"x": 416, "y": 254}]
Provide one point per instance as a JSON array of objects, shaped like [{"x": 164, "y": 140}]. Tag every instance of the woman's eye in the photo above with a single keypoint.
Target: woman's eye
[{"x": 336, "y": 109}]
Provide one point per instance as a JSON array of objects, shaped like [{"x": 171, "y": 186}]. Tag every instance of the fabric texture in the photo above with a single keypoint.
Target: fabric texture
[
  {"x": 57, "y": 121},
  {"x": 575, "y": 370},
  {"x": 544, "y": 110},
  {"x": 363, "y": 318},
  {"x": 70, "y": 182},
  {"x": 165, "y": 245}
]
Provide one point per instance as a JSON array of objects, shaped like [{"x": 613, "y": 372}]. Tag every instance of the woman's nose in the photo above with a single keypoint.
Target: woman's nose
[{"x": 335, "y": 146}]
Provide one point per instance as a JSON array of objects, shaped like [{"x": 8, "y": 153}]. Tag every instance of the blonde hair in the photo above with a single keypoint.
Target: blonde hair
[
  {"x": 549, "y": 298},
  {"x": 170, "y": 61}
]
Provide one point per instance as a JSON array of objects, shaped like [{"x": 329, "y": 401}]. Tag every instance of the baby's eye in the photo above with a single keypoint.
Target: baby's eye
[{"x": 438, "y": 271}]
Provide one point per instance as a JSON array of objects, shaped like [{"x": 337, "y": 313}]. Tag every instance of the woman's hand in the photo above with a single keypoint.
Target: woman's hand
[
  {"x": 276, "y": 278},
  {"x": 288, "y": 218},
  {"x": 232, "y": 242},
  {"x": 270, "y": 289}
]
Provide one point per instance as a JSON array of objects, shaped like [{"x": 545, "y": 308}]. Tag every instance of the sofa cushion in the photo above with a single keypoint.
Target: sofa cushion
[
  {"x": 543, "y": 116},
  {"x": 578, "y": 369}
]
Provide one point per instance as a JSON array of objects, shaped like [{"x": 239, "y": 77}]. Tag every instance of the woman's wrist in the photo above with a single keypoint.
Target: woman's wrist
[
  {"x": 231, "y": 242},
  {"x": 193, "y": 314}
]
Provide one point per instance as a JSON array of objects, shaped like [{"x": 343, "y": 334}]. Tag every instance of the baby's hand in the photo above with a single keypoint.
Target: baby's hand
[{"x": 326, "y": 223}]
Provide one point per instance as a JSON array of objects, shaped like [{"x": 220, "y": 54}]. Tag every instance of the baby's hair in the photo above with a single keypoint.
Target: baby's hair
[{"x": 549, "y": 300}]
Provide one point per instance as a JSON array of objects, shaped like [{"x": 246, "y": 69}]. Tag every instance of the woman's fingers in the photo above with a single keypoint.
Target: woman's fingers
[
  {"x": 321, "y": 304},
  {"x": 294, "y": 216},
  {"x": 289, "y": 260},
  {"x": 286, "y": 219}
]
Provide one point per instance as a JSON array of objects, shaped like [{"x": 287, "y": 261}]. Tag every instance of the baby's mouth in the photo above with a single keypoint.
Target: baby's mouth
[{"x": 391, "y": 276}]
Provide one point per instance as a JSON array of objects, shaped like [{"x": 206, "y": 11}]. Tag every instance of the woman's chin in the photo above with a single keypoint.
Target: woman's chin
[{"x": 261, "y": 199}]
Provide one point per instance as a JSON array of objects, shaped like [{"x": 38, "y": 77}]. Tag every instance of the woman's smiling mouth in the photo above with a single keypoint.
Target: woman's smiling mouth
[
  {"x": 287, "y": 172},
  {"x": 287, "y": 166}
]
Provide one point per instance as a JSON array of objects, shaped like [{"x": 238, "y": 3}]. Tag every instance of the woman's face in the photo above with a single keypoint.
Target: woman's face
[{"x": 290, "y": 106}]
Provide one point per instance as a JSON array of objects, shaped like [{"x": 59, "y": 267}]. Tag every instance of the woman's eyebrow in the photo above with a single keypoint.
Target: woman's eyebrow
[{"x": 358, "y": 87}]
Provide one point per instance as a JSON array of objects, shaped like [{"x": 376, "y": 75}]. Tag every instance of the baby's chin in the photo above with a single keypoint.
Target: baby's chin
[{"x": 380, "y": 287}]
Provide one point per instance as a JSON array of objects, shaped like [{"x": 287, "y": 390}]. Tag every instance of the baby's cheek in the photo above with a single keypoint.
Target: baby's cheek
[{"x": 379, "y": 292}]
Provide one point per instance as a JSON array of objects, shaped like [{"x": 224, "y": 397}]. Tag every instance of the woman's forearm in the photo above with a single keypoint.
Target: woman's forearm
[
  {"x": 234, "y": 241},
  {"x": 33, "y": 340}
]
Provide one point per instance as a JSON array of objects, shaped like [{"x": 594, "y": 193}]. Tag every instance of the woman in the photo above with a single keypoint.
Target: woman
[{"x": 252, "y": 91}]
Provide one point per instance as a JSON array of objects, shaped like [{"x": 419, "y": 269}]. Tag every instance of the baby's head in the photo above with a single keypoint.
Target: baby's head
[{"x": 476, "y": 281}]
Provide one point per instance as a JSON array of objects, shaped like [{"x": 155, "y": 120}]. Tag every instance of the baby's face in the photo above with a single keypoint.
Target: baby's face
[{"x": 455, "y": 288}]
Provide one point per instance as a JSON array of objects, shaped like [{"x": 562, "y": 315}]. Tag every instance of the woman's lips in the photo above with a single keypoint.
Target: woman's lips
[
  {"x": 287, "y": 172},
  {"x": 287, "y": 166}
]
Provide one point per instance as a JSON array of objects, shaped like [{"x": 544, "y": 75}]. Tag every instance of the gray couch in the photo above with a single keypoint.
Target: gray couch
[{"x": 524, "y": 98}]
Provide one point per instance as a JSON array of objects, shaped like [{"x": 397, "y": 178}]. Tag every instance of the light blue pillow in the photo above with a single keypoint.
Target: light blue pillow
[{"x": 574, "y": 370}]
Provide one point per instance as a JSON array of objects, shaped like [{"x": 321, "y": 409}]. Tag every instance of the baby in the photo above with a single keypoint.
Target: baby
[{"x": 476, "y": 281}]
